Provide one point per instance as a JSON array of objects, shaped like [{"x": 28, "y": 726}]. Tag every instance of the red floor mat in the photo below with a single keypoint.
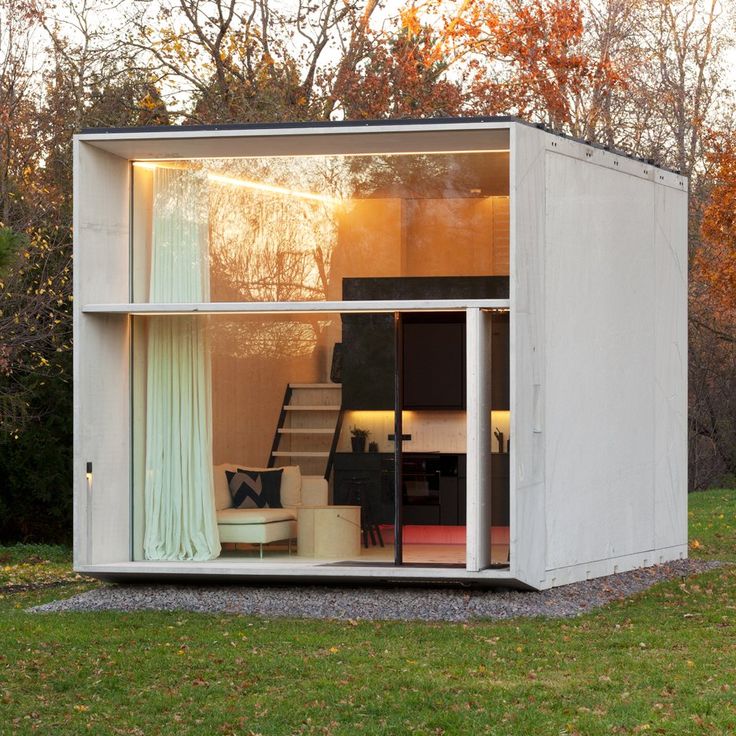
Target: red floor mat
[{"x": 436, "y": 534}]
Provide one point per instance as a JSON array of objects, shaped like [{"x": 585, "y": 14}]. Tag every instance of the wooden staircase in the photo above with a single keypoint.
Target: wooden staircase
[{"x": 308, "y": 428}]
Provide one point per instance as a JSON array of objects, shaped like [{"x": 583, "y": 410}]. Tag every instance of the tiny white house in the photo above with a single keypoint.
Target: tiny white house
[{"x": 416, "y": 350}]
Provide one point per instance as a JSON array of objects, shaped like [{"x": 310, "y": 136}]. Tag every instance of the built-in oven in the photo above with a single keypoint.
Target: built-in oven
[{"x": 426, "y": 480}]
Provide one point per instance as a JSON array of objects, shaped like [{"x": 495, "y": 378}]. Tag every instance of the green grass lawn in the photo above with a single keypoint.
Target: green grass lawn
[{"x": 663, "y": 662}]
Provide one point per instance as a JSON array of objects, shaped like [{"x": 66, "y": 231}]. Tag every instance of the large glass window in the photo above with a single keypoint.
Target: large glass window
[
  {"x": 294, "y": 228},
  {"x": 314, "y": 394},
  {"x": 325, "y": 401},
  {"x": 257, "y": 393}
]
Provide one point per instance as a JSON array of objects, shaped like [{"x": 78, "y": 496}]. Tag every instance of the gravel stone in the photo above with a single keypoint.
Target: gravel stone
[{"x": 406, "y": 603}]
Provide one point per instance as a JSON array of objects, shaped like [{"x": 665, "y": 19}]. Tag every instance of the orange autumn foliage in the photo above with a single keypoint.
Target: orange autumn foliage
[
  {"x": 402, "y": 75},
  {"x": 715, "y": 262},
  {"x": 535, "y": 58}
]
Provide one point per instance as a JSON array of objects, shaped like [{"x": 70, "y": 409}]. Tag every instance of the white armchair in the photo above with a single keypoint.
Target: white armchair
[{"x": 261, "y": 526}]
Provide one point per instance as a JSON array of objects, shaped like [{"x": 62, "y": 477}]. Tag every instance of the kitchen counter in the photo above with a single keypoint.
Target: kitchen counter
[{"x": 434, "y": 486}]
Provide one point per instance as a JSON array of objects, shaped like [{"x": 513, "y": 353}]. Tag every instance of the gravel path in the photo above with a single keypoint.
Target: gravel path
[{"x": 374, "y": 603}]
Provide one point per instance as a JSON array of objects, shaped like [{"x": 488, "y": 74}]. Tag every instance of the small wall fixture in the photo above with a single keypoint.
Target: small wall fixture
[{"x": 89, "y": 472}]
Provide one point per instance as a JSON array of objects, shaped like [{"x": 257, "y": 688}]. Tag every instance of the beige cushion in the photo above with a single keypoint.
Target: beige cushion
[
  {"x": 314, "y": 490},
  {"x": 291, "y": 484},
  {"x": 254, "y": 516},
  {"x": 223, "y": 499}
]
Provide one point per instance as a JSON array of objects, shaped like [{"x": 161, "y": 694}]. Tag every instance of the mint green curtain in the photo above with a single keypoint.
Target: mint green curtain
[{"x": 180, "y": 518}]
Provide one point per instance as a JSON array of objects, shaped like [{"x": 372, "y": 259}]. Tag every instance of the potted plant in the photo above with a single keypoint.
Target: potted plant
[{"x": 358, "y": 438}]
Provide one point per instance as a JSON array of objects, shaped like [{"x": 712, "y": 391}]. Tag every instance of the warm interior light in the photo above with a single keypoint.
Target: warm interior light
[
  {"x": 220, "y": 179},
  {"x": 380, "y": 154},
  {"x": 500, "y": 422},
  {"x": 368, "y": 415},
  {"x": 262, "y": 186},
  {"x": 248, "y": 184},
  {"x": 408, "y": 153}
]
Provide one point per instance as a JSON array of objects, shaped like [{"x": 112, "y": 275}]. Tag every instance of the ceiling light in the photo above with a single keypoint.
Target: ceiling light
[
  {"x": 220, "y": 179},
  {"x": 233, "y": 181}
]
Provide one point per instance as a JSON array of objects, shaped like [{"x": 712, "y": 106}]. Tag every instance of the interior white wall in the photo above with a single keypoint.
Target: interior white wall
[
  {"x": 101, "y": 358},
  {"x": 615, "y": 347},
  {"x": 431, "y": 431}
]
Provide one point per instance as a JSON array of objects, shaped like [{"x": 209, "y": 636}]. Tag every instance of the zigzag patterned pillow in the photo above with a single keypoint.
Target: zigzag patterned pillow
[{"x": 255, "y": 489}]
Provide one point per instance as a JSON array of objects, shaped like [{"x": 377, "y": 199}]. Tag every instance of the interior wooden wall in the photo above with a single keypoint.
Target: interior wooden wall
[
  {"x": 142, "y": 232},
  {"x": 455, "y": 237},
  {"x": 420, "y": 237},
  {"x": 248, "y": 387}
]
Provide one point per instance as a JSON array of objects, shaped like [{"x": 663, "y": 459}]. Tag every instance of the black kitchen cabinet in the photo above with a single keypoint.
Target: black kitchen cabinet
[
  {"x": 365, "y": 479},
  {"x": 433, "y": 348},
  {"x": 368, "y": 361},
  {"x": 449, "y": 502},
  {"x": 425, "y": 287},
  {"x": 433, "y": 486}
]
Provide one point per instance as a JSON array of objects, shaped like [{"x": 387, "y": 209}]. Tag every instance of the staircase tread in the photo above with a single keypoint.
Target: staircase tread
[
  {"x": 311, "y": 407},
  {"x": 315, "y": 385},
  {"x": 306, "y": 430},
  {"x": 299, "y": 453},
  {"x": 330, "y": 433}
]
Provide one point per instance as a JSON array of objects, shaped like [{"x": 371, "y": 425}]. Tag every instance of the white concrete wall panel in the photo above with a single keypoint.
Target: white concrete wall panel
[
  {"x": 670, "y": 389},
  {"x": 101, "y": 358},
  {"x": 600, "y": 305},
  {"x": 527, "y": 319}
]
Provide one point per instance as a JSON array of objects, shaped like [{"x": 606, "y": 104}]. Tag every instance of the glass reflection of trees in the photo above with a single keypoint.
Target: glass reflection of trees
[
  {"x": 270, "y": 245},
  {"x": 274, "y": 220},
  {"x": 273, "y": 246},
  {"x": 272, "y": 337},
  {"x": 273, "y": 229}
]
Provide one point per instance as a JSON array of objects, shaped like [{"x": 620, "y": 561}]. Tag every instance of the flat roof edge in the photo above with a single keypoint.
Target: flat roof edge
[
  {"x": 490, "y": 122},
  {"x": 337, "y": 125}
]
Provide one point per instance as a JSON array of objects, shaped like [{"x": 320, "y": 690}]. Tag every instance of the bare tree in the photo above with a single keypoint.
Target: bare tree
[
  {"x": 685, "y": 42},
  {"x": 712, "y": 408},
  {"x": 234, "y": 61},
  {"x": 19, "y": 92}
]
